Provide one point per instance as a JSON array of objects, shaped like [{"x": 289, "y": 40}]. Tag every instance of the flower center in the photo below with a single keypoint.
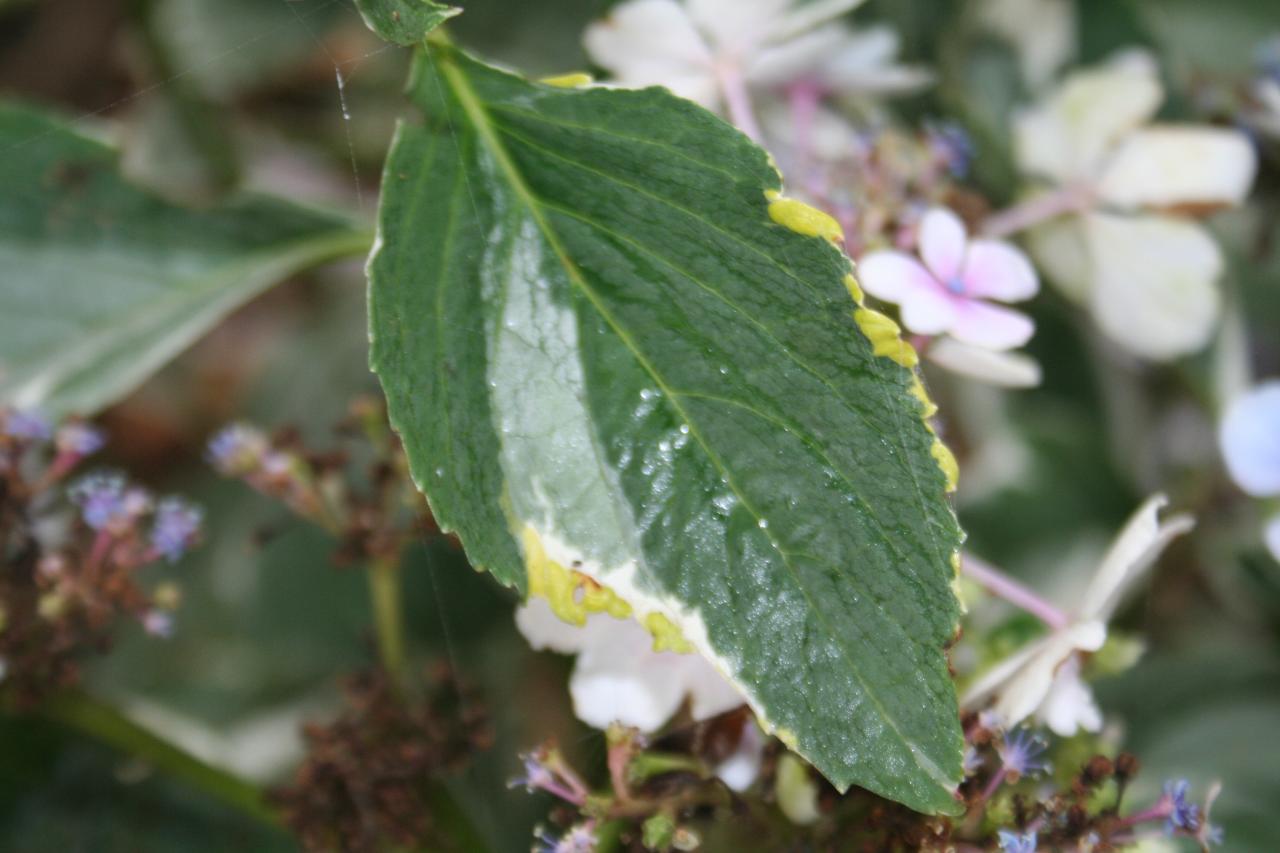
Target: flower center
[{"x": 954, "y": 285}]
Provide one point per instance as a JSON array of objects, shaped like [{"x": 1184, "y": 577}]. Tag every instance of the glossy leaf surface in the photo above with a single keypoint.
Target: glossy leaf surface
[
  {"x": 601, "y": 350},
  {"x": 101, "y": 282}
]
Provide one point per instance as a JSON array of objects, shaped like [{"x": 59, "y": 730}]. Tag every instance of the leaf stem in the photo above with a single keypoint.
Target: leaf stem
[
  {"x": 388, "y": 616},
  {"x": 1001, "y": 585},
  {"x": 104, "y": 722}
]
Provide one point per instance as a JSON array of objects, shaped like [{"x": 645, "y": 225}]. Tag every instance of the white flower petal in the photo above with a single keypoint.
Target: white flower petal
[
  {"x": 619, "y": 678},
  {"x": 865, "y": 63},
  {"x": 1134, "y": 550},
  {"x": 1060, "y": 249},
  {"x": 1006, "y": 369},
  {"x": 1167, "y": 165},
  {"x": 742, "y": 767},
  {"x": 900, "y": 278},
  {"x": 1154, "y": 284},
  {"x": 1043, "y": 32},
  {"x": 986, "y": 324},
  {"x": 1026, "y": 692},
  {"x": 795, "y": 58},
  {"x": 998, "y": 677},
  {"x": 805, "y": 16},
  {"x": 1069, "y": 705},
  {"x": 942, "y": 243},
  {"x": 653, "y": 43},
  {"x": 544, "y": 630},
  {"x": 1066, "y": 137},
  {"x": 710, "y": 693},
  {"x": 993, "y": 269},
  {"x": 1250, "y": 440},
  {"x": 1271, "y": 535},
  {"x": 739, "y": 28}
]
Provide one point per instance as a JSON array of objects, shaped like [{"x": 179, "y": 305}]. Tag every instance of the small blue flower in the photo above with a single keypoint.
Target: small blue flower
[
  {"x": 1184, "y": 815},
  {"x": 237, "y": 449},
  {"x": 102, "y": 499},
  {"x": 79, "y": 439},
  {"x": 26, "y": 426},
  {"x": 952, "y": 145},
  {"x": 536, "y": 774},
  {"x": 1021, "y": 752},
  {"x": 158, "y": 623},
  {"x": 579, "y": 839},
  {"x": 176, "y": 527},
  {"x": 1012, "y": 842}
]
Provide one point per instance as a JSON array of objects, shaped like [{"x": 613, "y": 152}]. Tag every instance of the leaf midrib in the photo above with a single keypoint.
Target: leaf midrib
[
  {"x": 98, "y": 335},
  {"x": 476, "y": 113}
]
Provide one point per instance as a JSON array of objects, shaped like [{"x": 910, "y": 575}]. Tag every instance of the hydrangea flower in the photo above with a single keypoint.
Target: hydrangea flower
[
  {"x": 1012, "y": 842},
  {"x": 618, "y": 677},
  {"x": 1147, "y": 272},
  {"x": 952, "y": 288},
  {"x": 237, "y": 449},
  {"x": 26, "y": 426},
  {"x": 1043, "y": 677},
  {"x": 710, "y": 51},
  {"x": 79, "y": 440},
  {"x": 1183, "y": 814},
  {"x": 101, "y": 497},
  {"x": 176, "y": 527},
  {"x": 1021, "y": 752},
  {"x": 1250, "y": 441},
  {"x": 579, "y": 839}
]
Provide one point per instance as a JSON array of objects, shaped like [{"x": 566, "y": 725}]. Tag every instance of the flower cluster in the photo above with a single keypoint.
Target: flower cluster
[
  {"x": 374, "y": 511},
  {"x": 72, "y": 553}
]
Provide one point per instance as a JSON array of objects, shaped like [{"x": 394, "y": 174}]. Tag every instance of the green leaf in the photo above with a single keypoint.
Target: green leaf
[
  {"x": 103, "y": 283},
  {"x": 404, "y": 22},
  {"x": 602, "y": 354}
]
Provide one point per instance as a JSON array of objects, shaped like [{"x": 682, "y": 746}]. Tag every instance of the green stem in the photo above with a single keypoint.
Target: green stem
[
  {"x": 108, "y": 724},
  {"x": 388, "y": 616}
]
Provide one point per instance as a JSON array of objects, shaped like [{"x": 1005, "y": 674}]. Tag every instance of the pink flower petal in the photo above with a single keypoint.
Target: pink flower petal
[
  {"x": 942, "y": 243},
  {"x": 897, "y": 277},
  {"x": 995, "y": 270},
  {"x": 992, "y": 326}
]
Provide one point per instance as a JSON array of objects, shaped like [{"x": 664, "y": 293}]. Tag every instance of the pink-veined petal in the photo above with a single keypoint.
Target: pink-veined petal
[
  {"x": 995, "y": 270},
  {"x": 942, "y": 243},
  {"x": 896, "y": 277},
  {"x": 992, "y": 326}
]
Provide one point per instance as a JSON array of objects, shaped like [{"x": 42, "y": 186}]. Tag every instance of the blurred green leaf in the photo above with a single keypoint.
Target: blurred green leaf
[{"x": 103, "y": 282}]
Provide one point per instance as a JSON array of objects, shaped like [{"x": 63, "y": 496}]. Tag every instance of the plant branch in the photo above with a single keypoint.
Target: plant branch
[
  {"x": 102, "y": 721},
  {"x": 388, "y": 616}
]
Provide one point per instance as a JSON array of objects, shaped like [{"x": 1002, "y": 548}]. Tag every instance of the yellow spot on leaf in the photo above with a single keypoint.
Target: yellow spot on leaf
[
  {"x": 572, "y": 595},
  {"x": 947, "y": 462},
  {"x": 802, "y": 218},
  {"x": 855, "y": 290},
  {"x": 666, "y": 636},
  {"x": 576, "y": 80},
  {"x": 886, "y": 337},
  {"x": 928, "y": 408}
]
